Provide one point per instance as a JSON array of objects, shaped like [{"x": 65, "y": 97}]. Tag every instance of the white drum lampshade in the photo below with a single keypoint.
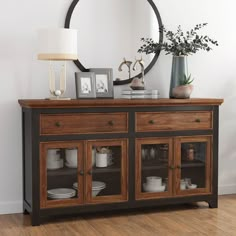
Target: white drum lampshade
[{"x": 57, "y": 44}]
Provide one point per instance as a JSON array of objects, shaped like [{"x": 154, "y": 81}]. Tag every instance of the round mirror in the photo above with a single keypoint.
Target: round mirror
[{"x": 110, "y": 31}]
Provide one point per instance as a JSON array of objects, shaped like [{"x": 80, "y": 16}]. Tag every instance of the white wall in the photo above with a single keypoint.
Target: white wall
[{"x": 22, "y": 76}]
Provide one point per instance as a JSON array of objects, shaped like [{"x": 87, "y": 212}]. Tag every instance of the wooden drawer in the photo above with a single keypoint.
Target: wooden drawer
[
  {"x": 83, "y": 123},
  {"x": 164, "y": 121}
]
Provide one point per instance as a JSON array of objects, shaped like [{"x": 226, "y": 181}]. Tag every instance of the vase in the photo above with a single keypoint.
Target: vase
[
  {"x": 179, "y": 69},
  {"x": 182, "y": 91}
]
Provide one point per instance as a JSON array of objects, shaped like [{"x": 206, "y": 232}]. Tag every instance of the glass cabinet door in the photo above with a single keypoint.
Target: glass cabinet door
[
  {"x": 61, "y": 174},
  {"x": 154, "y": 167},
  {"x": 193, "y": 165},
  {"x": 106, "y": 178}
]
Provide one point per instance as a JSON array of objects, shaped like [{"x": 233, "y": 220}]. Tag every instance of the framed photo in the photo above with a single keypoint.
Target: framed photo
[
  {"x": 103, "y": 82},
  {"x": 85, "y": 85}
]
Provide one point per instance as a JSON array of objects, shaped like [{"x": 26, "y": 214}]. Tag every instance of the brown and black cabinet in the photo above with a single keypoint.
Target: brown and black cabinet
[{"x": 174, "y": 139}]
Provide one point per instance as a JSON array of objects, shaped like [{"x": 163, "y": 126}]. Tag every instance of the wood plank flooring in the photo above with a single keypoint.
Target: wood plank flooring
[{"x": 181, "y": 220}]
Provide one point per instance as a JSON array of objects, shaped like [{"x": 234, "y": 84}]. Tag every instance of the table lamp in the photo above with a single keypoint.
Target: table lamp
[{"x": 58, "y": 44}]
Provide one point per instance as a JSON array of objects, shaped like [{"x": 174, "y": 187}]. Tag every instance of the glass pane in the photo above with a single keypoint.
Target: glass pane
[
  {"x": 62, "y": 181},
  {"x": 193, "y": 165},
  {"x": 154, "y": 167},
  {"x": 106, "y": 171}
]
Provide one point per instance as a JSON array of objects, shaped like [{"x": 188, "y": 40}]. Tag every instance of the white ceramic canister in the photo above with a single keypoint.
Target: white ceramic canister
[
  {"x": 71, "y": 156},
  {"x": 182, "y": 184},
  {"x": 53, "y": 155},
  {"x": 101, "y": 160}
]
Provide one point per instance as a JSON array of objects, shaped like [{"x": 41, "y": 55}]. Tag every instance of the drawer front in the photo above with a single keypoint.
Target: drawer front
[
  {"x": 83, "y": 123},
  {"x": 164, "y": 121}
]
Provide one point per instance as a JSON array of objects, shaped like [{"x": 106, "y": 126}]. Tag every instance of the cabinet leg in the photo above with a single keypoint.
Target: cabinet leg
[
  {"x": 213, "y": 203},
  {"x": 25, "y": 212},
  {"x": 35, "y": 220}
]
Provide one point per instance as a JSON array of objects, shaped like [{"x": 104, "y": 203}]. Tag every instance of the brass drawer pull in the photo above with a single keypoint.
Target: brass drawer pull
[
  {"x": 57, "y": 124},
  {"x": 81, "y": 172},
  {"x": 198, "y": 120},
  {"x": 111, "y": 122},
  {"x": 151, "y": 122}
]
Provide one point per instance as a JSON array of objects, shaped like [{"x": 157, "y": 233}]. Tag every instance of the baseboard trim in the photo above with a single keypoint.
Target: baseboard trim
[
  {"x": 11, "y": 207},
  {"x": 227, "y": 189}
]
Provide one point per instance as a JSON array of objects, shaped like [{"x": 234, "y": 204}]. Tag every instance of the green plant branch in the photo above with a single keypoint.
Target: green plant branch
[
  {"x": 179, "y": 43},
  {"x": 186, "y": 80}
]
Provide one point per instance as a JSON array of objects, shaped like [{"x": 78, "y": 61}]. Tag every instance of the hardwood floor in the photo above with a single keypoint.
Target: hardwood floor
[{"x": 196, "y": 219}]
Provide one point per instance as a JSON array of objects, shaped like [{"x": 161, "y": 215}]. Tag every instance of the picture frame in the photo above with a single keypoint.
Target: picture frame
[
  {"x": 103, "y": 82},
  {"x": 85, "y": 85}
]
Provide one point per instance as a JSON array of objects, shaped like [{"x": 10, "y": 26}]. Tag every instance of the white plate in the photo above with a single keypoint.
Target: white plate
[
  {"x": 61, "y": 191},
  {"x": 61, "y": 196},
  {"x": 70, "y": 166}
]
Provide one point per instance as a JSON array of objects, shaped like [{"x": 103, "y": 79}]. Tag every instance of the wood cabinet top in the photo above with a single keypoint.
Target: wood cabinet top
[{"x": 84, "y": 103}]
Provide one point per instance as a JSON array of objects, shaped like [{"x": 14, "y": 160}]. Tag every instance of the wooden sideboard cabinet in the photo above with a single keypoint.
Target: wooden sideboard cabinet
[{"x": 97, "y": 155}]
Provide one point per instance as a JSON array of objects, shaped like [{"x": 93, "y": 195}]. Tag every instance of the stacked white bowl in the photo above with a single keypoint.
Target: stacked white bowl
[
  {"x": 186, "y": 183},
  {"x": 53, "y": 159},
  {"x": 97, "y": 187},
  {"x": 71, "y": 158},
  {"x": 153, "y": 184}
]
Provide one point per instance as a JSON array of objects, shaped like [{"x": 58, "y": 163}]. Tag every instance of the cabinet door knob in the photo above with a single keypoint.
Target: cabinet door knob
[
  {"x": 111, "y": 122},
  {"x": 57, "y": 124},
  {"x": 81, "y": 172},
  {"x": 198, "y": 120},
  {"x": 90, "y": 172},
  {"x": 151, "y": 122},
  {"x": 171, "y": 167}
]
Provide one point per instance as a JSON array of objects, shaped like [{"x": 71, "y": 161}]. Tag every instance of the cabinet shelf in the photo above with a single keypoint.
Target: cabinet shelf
[
  {"x": 73, "y": 171},
  {"x": 195, "y": 163},
  {"x": 156, "y": 166},
  {"x": 62, "y": 172},
  {"x": 109, "y": 169}
]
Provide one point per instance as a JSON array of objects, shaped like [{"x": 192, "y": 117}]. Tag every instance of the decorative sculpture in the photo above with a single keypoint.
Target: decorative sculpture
[
  {"x": 138, "y": 83},
  {"x": 127, "y": 63}
]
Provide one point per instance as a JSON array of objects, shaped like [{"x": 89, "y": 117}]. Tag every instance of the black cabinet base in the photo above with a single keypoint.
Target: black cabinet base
[{"x": 119, "y": 207}]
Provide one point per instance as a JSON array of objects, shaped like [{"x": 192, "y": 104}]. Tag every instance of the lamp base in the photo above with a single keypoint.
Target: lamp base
[{"x": 58, "y": 98}]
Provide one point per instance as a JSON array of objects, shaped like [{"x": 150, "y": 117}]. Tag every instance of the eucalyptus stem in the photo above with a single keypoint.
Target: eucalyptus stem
[{"x": 179, "y": 43}]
